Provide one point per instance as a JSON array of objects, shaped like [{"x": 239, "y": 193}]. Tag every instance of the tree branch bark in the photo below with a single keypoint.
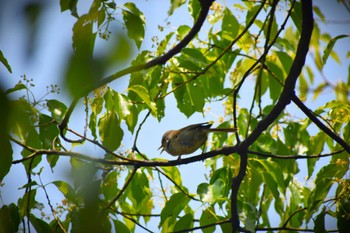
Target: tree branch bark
[
  {"x": 284, "y": 100},
  {"x": 319, "y": 124}
]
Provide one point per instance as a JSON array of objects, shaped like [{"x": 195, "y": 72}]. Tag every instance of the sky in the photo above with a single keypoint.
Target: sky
[{"x": 44, "y": 63}]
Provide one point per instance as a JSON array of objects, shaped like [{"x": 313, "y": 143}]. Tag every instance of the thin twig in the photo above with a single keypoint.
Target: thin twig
[
  {"x": 266, "y": 155},
  {"x": 319, "y": 124},
  {"x": 59, "y": 223},
  {"x": 126, "y": 184}
]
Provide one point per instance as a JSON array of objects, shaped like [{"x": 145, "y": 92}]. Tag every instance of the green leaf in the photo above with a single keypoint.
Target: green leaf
[
  {"x": 83, "y": 36},
  {"x": 174, "y": 5},
  {"x": 285, "y": 60},
  {"x": 276, "y": 173},
  {"x": 173, "y": 208},
  {"x": 40, "y": 225},
  {"x": 19, "y": 86},
  {"x": 182, "y": 31},
  {"x": 32, "y": 140},
  {"x": 110, "y": 185},
  {"x": 343, "y": 205},
  {"x": 296, "y": 13},
  {"x": 21, "y": 118},
  {"x": 66, "y": 190},
  {"x": 123, "y": 105},
  {"x": 319, "y": 222},
  {"x": 190, "y": 97},
  {"x": 96, "y": 108},
  {"x": 110, "y": 132},
  {"x": 143, "y": 94},
  {"x": 134, "y": 22},
  {"x": 323, "y": 183},
  {"x": 139, "y": 192},
  {"x": 120, "y": 227},
  {"x": 48, "y": 130},
  {"x": 208, "y": 217},
  {"x": 5, "y": 62},
  {"x": 131, "y": 119},
  {"x": 185, "y": 222},
  {"x": 9, "y": 218},
  {"x": 318, "y": 90},
  {"x": 57, "y": 109},
  {"x": 174, "y": 173},
  {"x": 164, "y": 43},
  {"x": 229, "y": 26},
  {"x": 6, "y": 155},
  {"x": 330, "y": 46},
  {"x": 195, "y": 56},
  {"x": 27, "y": 202},
  {"x": 69, "y": 5},
  {"x": 211, "y": 193},
  {"x": 194, "y": 8}
]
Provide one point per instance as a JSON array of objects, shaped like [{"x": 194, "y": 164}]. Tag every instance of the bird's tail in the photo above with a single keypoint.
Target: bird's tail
[{"x": 232, "y": 130}]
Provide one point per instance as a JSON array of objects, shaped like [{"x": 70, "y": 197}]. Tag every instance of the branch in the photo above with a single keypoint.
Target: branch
[
  {"x": 320, "y": 125},
  {"x": 205, "y": 6},
  {"x": 99, "y": 145},
  {"x": 136, "y": 222},
  {"x": 266, "y": 155},
  {"x": 236, "y": 182},
  {"x": 283, "y": 101},
  {"x": 59, "y": 223},
  {"x": 295, "y": 70},
  {"x": 290, "y": 229},
  {"x": 260, "y": 60},
  {"x": 135, "y": 162}
]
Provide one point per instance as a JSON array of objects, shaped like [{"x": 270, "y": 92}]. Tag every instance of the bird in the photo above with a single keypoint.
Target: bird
[{"x": 188, "y": 139}]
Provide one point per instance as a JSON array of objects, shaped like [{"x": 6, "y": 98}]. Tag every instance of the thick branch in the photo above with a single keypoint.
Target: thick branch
[
  {"x": 295, "y": 70},
  {"x": 320, "y": 125},
  {"x": 236, "y": 182},
  {"x": 284, "y": 100}
]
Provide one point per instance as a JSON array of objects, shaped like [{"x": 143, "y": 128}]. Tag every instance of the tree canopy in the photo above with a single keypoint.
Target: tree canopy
[{"x": 264, "y": 62}]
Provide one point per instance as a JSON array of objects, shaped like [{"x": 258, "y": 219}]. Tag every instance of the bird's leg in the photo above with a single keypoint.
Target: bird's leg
[{"x": 179, "y": 158}]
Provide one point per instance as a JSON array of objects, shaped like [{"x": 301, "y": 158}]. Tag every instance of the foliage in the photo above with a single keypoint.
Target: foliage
[{"x": 246, "y": 59}]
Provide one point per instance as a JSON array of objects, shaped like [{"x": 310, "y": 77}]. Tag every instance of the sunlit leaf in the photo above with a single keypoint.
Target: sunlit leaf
[
  {"x": 66, "y": 190},
  {"x": 194, "y": 8},
  {"x": 139, "y": 192},
  {"x": 208, "y": 216},
  {"x": 185, "y": 222},
  {"x": 134, "y": 22},
  {"x": 230, "y": 25},
  {"x": 174, "y": 5},
  {"x": 143, "y": 94},
  {"x": 48, "y": 130},
  {"x": 173, "y": 207},
  {"x": 174, "y": 174},
  {"x": 330, "y": 46},
  {"x": 57, "y": 109},
  {"x": 122, "y": 228},
  {"x": 110, "y": 132}
]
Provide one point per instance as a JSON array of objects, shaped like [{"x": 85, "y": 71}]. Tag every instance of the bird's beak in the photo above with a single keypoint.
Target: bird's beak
[{"x": 161, "y": 147}]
